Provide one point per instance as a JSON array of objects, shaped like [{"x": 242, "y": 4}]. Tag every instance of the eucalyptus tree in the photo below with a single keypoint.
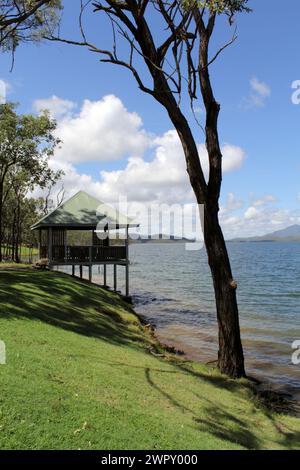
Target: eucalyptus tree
[
  {"x": 168, "y": 54},
  {"x": 26, "y": 20},
  {"x": 26, "y": 144},
  {"x": 19, "y": 212}
]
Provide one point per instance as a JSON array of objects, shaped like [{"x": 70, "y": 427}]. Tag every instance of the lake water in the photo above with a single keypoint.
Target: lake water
[{"x": 172, "y": 288}]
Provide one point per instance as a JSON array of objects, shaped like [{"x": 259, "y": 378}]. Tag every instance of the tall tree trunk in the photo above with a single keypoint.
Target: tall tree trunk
[
  {"x": 2, "y": 201},
  {"x": 13, "y": 238},
  {"x": 18, "y": 232},
  {"x": 230, "y": 355},
  {"x": 1, "y": 218}
]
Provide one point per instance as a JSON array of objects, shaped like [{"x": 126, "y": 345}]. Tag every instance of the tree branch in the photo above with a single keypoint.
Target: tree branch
[{"x": 21, "y": 17}]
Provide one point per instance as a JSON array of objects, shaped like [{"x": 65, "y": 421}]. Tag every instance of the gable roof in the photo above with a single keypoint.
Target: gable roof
[{"x": 83, "y": 211}]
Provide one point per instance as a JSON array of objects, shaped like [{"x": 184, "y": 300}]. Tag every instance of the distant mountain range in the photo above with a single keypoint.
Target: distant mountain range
[
  {"x": 159, "y": 238},
  {"x": 289, "y": 234}
]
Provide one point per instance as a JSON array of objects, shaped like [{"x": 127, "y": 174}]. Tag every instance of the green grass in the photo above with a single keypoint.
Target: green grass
[
  {"x": 13, "y": 265},
  {"x": 81, "y": 374}
]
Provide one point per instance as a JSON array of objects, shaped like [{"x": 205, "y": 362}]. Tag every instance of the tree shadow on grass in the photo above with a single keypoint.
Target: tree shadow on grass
[
  {"x": 213, "y": 419},
  {"x": 290, "y": 438},
  {"x": 165, "y": 394},
  {"x": 66, "y": 303},
  {"x": 224, "y": 425},
  {"x": 77, "y": 306},
  {"x": 287, "y": 438}
]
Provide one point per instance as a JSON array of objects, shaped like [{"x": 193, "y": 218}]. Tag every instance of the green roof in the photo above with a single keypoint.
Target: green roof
[{"x": 81, "y": 211}]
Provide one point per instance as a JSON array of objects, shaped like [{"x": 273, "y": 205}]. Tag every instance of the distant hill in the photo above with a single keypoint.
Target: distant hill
[
  {"x": 159, "y": 238},
  {"x": 289, "y": 234}
]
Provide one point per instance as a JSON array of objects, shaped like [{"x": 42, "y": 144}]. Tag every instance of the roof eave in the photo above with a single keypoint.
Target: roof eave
[{"x": 82, "y": 226}]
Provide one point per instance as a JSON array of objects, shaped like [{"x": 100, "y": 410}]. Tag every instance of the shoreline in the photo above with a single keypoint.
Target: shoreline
[{"x": 280, "y": 401}]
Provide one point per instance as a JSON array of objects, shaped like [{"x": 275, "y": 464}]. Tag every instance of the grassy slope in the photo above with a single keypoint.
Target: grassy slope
[{"x": 79, "y": 375}]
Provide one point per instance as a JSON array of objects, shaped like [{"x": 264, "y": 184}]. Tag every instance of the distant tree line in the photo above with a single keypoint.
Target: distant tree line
[{"x": 26, "y": 144}]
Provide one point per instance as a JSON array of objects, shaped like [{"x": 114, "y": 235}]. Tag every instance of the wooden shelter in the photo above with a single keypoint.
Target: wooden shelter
[{"x": 79, "y": 233}]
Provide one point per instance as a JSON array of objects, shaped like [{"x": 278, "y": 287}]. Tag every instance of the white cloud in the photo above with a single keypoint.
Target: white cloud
[
  {"x": 260, "y": 92},
  {"x": 4, "y": 89},
  {"x": 260, "y": 88},
  {"x": 268, "y": 198},
  {"x": 256, "y": 222},
  {"x": 246, "y": 220},
  {"x": 2, "y": 92},
  {"x": 57, "y": 107},
  {"x": 164, "y": 177},
  {"x": 106, "y": 130},
  {"x": 251, "y": 213},
  {"x": 233, "y": 158},
  {"x": 103, "y": 130},
  {"x": 232, "y": 204}
]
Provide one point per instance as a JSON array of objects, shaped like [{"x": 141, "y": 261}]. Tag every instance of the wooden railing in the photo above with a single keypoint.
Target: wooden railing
[
  {"x": 89, "y": 254},
  {"x": 100, "y": 253}
]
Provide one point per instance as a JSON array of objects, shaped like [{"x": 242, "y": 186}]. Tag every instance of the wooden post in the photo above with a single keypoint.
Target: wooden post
[
  {"x": 104, "y": 275},
  {"x": 115, "y": 277},
  {"x": 50, "y": 244},
  {"x": 90, "y": 264},
  {"x": 127, "y": 279},
  {"x": 65, "y": 242},
  {"x": 40, "y": 242},
  {"x": 73, "y": 270},
  {"x": 80, "y": 270},
  {"x": 127, "y": 263}
]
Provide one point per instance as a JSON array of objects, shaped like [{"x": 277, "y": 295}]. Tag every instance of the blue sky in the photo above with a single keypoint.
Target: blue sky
[{"x": 252, "y": 82}]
